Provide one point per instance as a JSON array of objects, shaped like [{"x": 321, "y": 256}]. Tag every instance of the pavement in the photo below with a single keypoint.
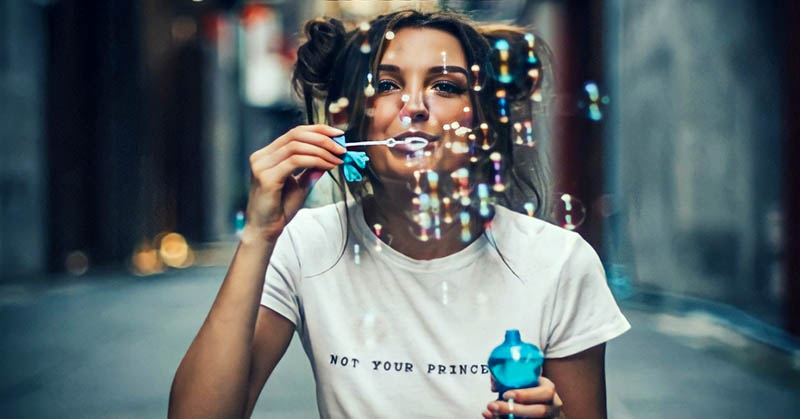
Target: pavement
[{"x": 107, "y": 345}]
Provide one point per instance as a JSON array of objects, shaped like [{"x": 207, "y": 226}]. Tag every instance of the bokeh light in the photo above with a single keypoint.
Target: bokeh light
[
  {"x": 145, "y": 260},
  {"x": 175, "y": 251}
]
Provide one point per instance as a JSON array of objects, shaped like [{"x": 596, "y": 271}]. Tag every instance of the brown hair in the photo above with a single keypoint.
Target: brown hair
[{"x": 334, "y": 61}]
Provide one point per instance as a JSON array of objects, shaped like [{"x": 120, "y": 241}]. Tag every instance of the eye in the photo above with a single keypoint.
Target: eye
[
  {"x": 448, "y": 87},
  {"x": 386, "y": 86}
]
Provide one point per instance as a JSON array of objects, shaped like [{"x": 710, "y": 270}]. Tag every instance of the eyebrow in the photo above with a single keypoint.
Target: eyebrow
[{"x": 433, "y": 70}]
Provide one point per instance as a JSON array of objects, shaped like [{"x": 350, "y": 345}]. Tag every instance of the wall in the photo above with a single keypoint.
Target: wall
[
  {"x": 22, "y": 198},
  {"x": 695, "y": 138}
]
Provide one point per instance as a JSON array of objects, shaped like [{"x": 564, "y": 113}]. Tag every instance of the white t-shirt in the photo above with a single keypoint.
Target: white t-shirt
[{"x": 390, "y": 336}]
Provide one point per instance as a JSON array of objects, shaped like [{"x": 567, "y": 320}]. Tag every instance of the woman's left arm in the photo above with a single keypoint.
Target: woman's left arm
[{"x": 571, "y": 387}]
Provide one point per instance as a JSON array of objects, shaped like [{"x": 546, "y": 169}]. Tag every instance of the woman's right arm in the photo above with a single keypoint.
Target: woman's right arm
[{"x": 240, "y": 343}]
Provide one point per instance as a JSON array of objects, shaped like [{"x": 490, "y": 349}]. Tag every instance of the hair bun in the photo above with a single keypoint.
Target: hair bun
[{"x": 316, "y": 57}]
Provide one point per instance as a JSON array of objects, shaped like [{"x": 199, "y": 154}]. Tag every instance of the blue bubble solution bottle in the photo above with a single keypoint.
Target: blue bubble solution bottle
[{"x": 515, "y": 364}]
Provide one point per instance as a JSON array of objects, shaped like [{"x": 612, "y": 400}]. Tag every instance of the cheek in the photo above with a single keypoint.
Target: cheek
[
  {"x": 383, "y": 115},
  {"x": 451, "y": 111}
]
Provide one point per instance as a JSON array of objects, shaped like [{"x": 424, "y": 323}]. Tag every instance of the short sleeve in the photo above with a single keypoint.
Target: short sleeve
[
  {"x": 280, "y": 285},
  {"x": 585, "y": 313}
]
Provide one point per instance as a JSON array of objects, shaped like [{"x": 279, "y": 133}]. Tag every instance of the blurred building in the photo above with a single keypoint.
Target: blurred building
[
  {"x": 23, "y": 177},
  {"x": 695, "y": 147}
]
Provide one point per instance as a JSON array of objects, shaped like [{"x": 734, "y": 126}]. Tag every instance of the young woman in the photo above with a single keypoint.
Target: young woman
[{"x": 400, "y": 293}]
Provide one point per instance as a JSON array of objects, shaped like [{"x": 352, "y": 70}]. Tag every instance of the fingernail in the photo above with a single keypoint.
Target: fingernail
[
  {"x": 509, "y": 395},
  {"x": 493, "y": 407},
  {"x": 338, "y": 130}
]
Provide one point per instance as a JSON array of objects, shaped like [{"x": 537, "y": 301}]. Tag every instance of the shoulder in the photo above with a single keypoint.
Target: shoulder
[
  {"x": 533, "y": 245},
  {"x": 317, "y": 234},
  {"x": 325, "y": 217}
]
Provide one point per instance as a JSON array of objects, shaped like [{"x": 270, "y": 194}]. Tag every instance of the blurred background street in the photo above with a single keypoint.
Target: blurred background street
[
  {"x": 125, "y": 131},
  {"x": 107, "y": 347}
]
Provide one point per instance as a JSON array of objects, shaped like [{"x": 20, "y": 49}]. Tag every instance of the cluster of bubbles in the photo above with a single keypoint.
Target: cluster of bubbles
[{"x": 440, "y": 200}]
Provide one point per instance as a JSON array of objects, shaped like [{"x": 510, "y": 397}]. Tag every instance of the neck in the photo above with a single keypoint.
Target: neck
[{"x": 393, "y": 209}]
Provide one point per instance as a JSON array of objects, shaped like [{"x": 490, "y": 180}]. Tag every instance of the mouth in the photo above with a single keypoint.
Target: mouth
[{"x": 415, "y": 147}]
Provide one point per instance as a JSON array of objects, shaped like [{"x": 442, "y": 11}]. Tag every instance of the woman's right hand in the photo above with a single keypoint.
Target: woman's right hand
[{"x": 282, "y": 174}]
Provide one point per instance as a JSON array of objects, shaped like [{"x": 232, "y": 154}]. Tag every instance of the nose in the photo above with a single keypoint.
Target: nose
[{"x": 415, "y": 108}]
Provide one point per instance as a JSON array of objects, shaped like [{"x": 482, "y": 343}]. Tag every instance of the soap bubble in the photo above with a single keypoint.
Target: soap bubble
[
  {"x": 569, "y": 211},
  {"x": 377, "y": 229},
  {"x": 606, "y": 205},
  {"x": 77, "y": 263},
  {"x": 476, "y": 70},
  {"x": 594, "y": 101},
  {"x": 369, "y": 91},
  {"x": 530, "y": 208},
  {"x": 357, "y": 254},
  {"x": 445, "y": 292},
  {"x": 372, "y": 328}
]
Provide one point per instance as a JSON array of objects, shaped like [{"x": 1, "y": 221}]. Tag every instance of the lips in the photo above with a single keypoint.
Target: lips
[{"x": 411, "y": 148}]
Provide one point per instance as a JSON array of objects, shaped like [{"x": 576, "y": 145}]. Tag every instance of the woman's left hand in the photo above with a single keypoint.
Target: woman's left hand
[{"x": 541, "y": 401}]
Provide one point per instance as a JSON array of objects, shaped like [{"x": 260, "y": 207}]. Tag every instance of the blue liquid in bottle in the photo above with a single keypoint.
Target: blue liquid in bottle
[{"x": 515, "y": 364}]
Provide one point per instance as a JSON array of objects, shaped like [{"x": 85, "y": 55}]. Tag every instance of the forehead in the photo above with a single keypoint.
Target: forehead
[{"x": 412, "y": 45}]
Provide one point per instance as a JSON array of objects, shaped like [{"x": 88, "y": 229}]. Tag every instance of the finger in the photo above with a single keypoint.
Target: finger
[
  {"x": 267, "y": 161},
  {"x": 304, "y": 134},
  {"x": 487, "y": 414},
  {"x": 319, "y": 135},
  {"x": 538, "y": 410},
  {"x": 324, "y": 129},
  {"x": 320, "y": 140},
  {"x": 543, "y": 393}
]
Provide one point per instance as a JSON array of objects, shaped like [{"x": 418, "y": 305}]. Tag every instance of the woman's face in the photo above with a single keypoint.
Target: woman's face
[{"x": 421, "y": 90}]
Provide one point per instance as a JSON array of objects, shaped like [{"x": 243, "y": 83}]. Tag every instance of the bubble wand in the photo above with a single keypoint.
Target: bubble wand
[
  {"x": 355, "y": 161},
  {"x": 390, "y": 142}
]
